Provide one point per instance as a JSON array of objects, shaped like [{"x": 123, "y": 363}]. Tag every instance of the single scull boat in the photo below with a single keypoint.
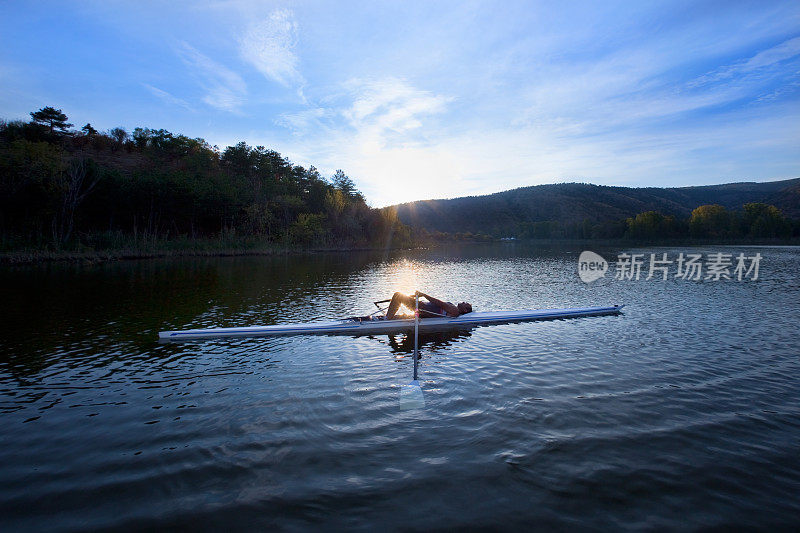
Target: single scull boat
[{"x": 365, "y": 326}]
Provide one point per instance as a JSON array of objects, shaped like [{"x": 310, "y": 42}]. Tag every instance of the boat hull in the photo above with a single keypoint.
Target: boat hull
[{"x": 377, "y": 327}]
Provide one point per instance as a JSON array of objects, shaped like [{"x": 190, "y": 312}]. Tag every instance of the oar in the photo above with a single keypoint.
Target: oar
[{"x": 411, "y": 394}]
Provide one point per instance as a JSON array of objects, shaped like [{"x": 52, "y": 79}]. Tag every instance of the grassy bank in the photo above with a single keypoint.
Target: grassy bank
[
  {"x": 205, "y": 247},
  {"x": 627, "y": 242}
]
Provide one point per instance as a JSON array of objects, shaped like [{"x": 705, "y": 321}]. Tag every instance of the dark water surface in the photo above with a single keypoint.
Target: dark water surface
[{"x": 682, "y": 413}]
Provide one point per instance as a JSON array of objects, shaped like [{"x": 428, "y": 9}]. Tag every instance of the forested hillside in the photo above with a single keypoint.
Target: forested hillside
[
  {"x": 577, "y": 210},
  {"x": 67, "y": 189},
  {"x": 62, "y": 189}
]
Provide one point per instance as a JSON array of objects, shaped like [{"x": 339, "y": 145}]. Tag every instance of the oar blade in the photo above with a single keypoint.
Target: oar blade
[{"x": 411, "y": 396}]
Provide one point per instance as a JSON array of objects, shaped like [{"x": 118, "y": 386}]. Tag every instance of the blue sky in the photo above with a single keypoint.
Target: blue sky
[{"x": 419, "y": 100}]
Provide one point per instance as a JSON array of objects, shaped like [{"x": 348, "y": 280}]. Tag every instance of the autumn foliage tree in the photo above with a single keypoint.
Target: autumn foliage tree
[
  {"x": 710, "y": 221},
  {"x": 652, "y": 224}
]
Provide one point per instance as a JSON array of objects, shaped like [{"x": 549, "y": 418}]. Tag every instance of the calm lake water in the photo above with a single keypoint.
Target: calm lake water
[{"x": 681, "y": 413}]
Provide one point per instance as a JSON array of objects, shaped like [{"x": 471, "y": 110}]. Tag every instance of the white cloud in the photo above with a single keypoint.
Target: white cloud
[
  {"x": 225, "y": 89},
  {"x": 167, "y": 97},
  {"x": 269, "y": 46},
  {"x": 761, "y": 60},
  {"x": 390, "y": 104}
]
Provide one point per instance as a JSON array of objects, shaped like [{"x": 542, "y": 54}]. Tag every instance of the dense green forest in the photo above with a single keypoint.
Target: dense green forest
[
  {"x": 62, "y": 189},
  {"x": 736, "y": 211}
]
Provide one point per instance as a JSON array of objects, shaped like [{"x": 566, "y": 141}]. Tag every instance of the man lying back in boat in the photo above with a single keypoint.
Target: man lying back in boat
[{"x": 431, "y": 308}]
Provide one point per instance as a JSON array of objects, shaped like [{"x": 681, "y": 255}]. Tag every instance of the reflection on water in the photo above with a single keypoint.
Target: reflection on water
[
  {"x": 404, "y": 343},
  {"x": 680, "y": 413}
]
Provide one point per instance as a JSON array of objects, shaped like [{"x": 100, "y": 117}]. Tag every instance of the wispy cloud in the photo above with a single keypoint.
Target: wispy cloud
[
  {"x": 302, "y": 121},
  {"x": 773, "y": 55},
  {"x": 390, "y": 104},
  {"x": 643, "y": 87},
  {"x": 762, "y": 60},
  {"x": 793, "y": 86},
  {"x": 269, "y": 46},
  {"x": 224, "y": 88},
  {"x": 167, "y": 97},
  {"x": 371, "y": 108}
]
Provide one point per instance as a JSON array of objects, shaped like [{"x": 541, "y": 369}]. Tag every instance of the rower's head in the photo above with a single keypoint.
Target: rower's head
[{"x": 464, "y": 308}]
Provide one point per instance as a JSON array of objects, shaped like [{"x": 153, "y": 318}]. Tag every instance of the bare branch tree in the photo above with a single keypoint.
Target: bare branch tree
[{"x": 74, "y": 190}]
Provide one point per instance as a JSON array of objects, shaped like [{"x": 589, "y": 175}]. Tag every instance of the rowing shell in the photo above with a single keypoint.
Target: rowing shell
[{"x": 377, "y": 327}]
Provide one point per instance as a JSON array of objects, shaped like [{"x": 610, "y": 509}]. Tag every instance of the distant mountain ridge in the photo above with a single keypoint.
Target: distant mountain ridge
[{"x": 504, "y": 212}]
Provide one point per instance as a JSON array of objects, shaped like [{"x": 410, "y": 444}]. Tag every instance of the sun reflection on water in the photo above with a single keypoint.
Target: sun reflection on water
[{"x": 404, "y": 279}]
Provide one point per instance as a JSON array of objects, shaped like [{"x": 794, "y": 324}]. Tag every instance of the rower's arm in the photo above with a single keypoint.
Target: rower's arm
[{"x": 449, "y": 308}]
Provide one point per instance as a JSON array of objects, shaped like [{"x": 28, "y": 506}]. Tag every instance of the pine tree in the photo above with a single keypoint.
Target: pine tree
[{"x": 51, "y": 117}]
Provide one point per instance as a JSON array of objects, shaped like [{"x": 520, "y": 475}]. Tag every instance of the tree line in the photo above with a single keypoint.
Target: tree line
[
  {"x": 62, "y": 188},
  {"x": 756, "y": 220}
]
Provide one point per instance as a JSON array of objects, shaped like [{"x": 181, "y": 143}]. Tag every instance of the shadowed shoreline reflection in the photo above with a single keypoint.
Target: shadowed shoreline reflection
[{"x": 403, "y": 343}]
